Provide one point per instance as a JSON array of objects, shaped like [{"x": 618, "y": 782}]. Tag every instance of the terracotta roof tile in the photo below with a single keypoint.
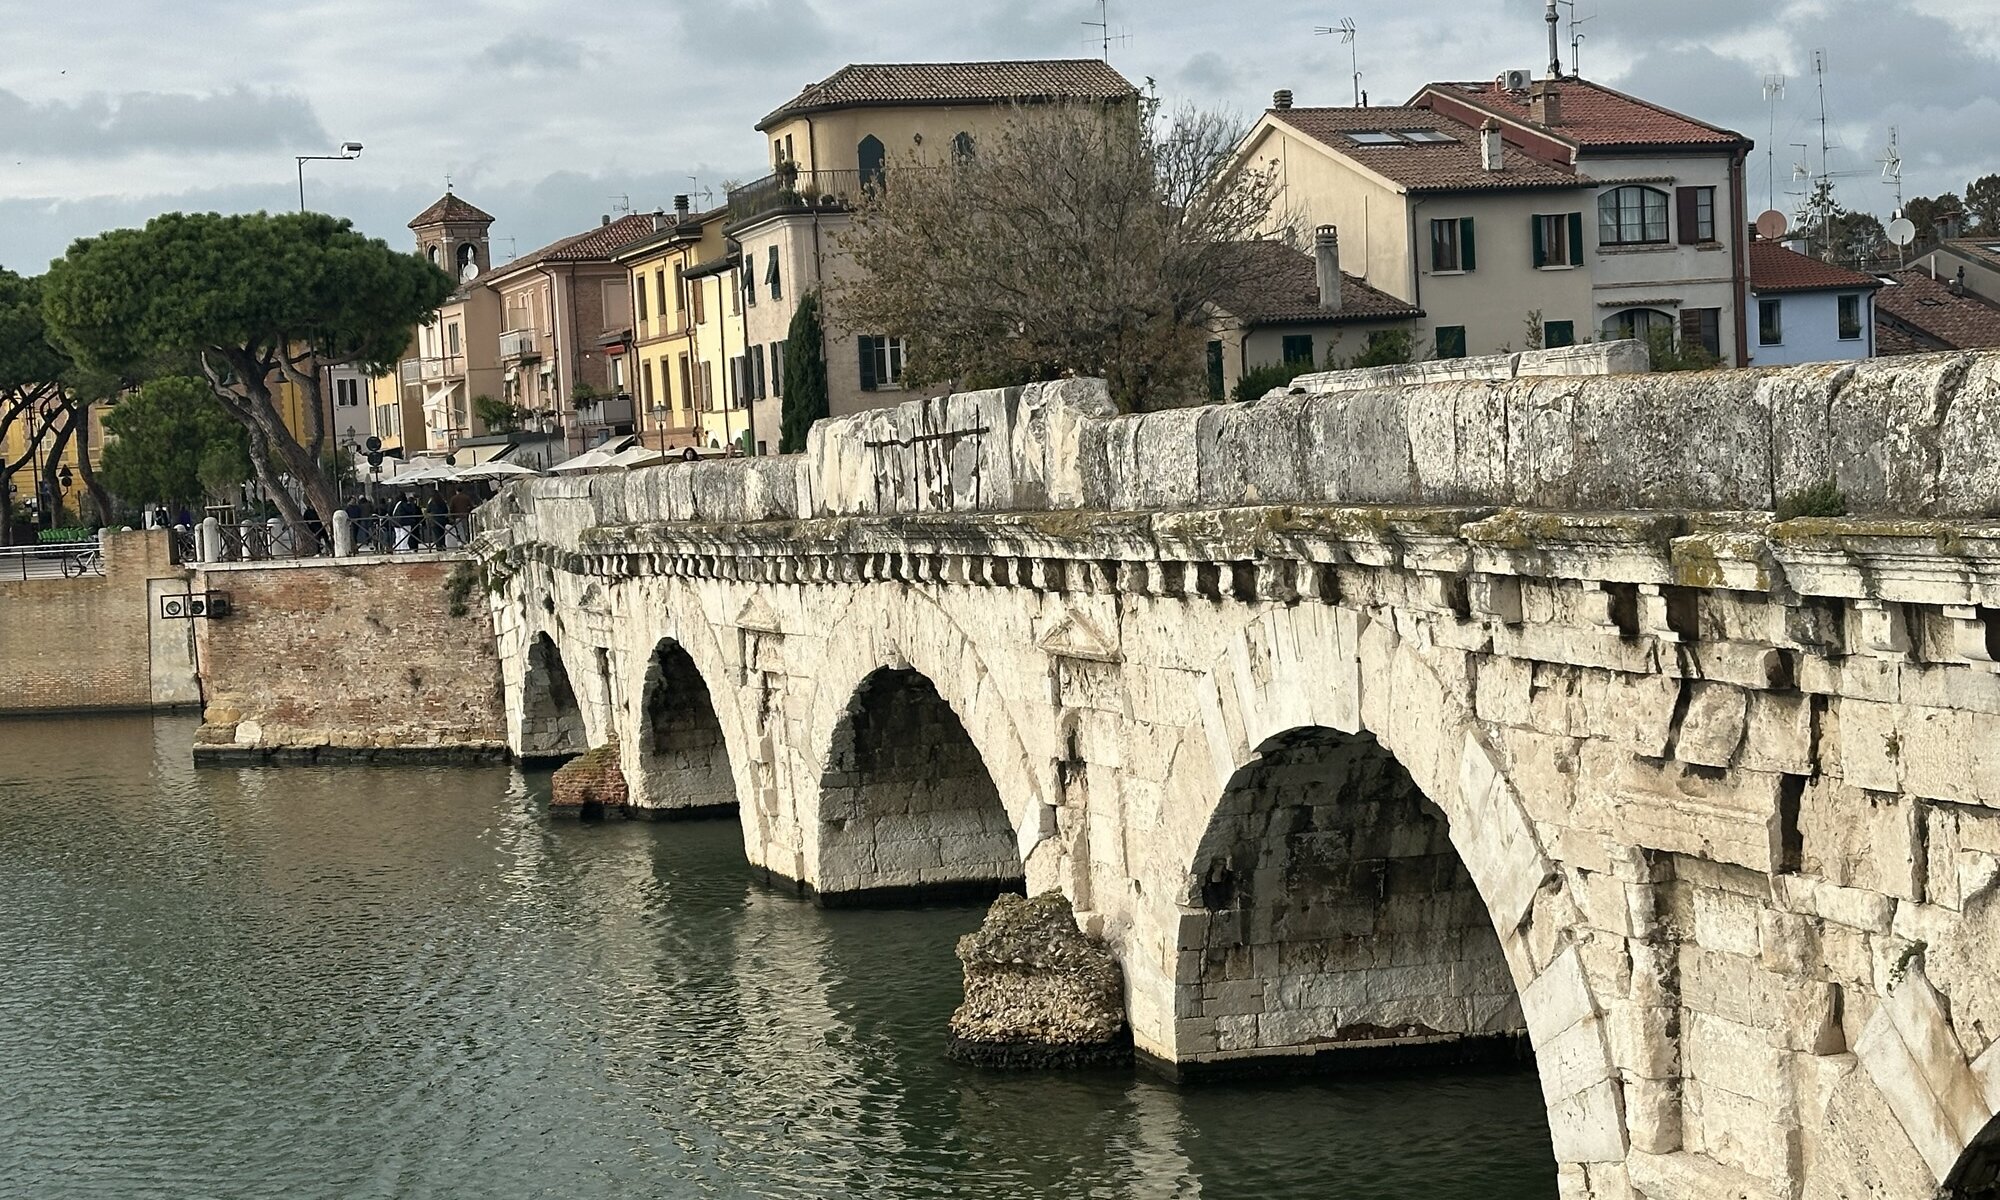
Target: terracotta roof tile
[
  {"x": 1773, "y": 268},
  {"x": 1446, "y": 166},
  {"x": 595, "y": 245},
  {"x": 1930, "y": 317},
  {"x": 958, "y": 83},
  {"x": 1598, "y": 117},
  {"x": 1284, "y": 287},
  {"x": 449, "y": 208}
]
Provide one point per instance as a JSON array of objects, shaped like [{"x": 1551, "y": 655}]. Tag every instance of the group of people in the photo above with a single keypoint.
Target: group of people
[{"x": 407, "y": 520}]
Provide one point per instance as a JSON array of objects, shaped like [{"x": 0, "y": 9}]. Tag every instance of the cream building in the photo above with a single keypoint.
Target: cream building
[
  {"x": 663, "y": 357},
  {"x": 828, "y": 145}
]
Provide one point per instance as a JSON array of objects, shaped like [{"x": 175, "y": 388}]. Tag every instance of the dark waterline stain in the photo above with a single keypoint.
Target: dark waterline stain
[{"x": 404, "y": 981}]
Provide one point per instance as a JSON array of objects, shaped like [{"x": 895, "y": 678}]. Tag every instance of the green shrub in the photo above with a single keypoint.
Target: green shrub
[
  {"x": 1822, "y": 499},
  {"x": 1255, "y": 383}
]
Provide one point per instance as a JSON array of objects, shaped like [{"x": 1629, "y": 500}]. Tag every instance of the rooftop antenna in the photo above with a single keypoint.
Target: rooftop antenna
[
  {"x": 1348, "y": 33},
  {"x": 1774, "y": 91},
  {"x": 512, "y": 253},
  {"x": 1103, "y": 27},
  {"x": 1823, "y": 188},
  {"x": 695, "y": 189},
  {"x": 1576, "y": 39},
  {"x": 1555, "y": 41},
  {"x": 1892, "y": 168},
  {"x": 622, "y": 202}
]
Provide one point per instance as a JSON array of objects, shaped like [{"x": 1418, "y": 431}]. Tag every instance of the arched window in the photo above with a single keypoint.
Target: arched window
[
  {"x": 871, "y": 156},
  {"x": 1636, "y": 323},
  {"x": 437, "y": 255},
  {"x": 1632, "y": 216},
  {"x": 961, "y": 147},
  {"x": 468, "y": 260}
]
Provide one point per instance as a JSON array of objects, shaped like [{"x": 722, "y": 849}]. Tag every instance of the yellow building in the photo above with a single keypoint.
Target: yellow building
[
  {"x": 676, "y": 353},
  {"x": 21, "y": 486}
]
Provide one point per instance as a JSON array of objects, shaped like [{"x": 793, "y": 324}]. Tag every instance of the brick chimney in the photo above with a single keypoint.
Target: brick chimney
[
  {"x": 1281, "y": 99},
  {"x": 1326, "y": 264},
  {"x": 680, "y": 210},
  {"x": 1490, "y": 146},
  {"x": 1545, "y": 103}
]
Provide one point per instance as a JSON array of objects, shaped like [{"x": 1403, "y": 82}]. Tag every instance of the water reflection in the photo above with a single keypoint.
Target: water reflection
[{"x": 407, "y": 982}]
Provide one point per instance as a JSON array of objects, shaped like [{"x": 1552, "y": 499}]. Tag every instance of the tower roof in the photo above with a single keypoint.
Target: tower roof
[{"x": 448, "y": 210}]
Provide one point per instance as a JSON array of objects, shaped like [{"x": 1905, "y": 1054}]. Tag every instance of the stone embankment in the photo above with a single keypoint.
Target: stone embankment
[{"x": 1038, "y": 992}]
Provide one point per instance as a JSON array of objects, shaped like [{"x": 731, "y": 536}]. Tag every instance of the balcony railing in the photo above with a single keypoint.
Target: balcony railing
[
  {"x": 451, "y": 366},
  {"x": 605, "y": 410},
  {"x": 803, "y": 190},
  {"x": 519, "y": 345},
  {"x": 410, "y": 371}
]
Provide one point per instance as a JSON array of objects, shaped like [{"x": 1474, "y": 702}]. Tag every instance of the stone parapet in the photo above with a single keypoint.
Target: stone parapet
[
  {"x": 1906, "y": 436},
  {"x": 1595, "y": 358}
]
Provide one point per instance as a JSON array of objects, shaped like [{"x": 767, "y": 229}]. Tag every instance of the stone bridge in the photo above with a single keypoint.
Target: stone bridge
[{"x": 1443, "y": 719}]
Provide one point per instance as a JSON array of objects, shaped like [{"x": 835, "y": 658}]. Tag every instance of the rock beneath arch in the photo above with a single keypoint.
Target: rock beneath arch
[
  {"x": 1038, "y": 992},
  {"x": 589, "y": 785}
]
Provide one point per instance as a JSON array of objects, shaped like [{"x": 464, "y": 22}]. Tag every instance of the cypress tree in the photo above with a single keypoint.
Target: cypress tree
[{"x": 805, "y": 375}]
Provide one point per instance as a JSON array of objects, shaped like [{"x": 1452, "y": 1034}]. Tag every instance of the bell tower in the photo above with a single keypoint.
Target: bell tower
[{"x": 452, "y": 235}]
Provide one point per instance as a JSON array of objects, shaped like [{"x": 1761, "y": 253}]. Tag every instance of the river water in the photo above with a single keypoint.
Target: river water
[{"x": 408, "y": 982}]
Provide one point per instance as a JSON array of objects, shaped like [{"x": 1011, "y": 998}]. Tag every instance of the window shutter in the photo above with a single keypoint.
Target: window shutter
[
  {"x": 1687, "y": 212},
  {"x": 1467, "y": 260},
  {"x": 1541, "y": 243},
  {"x": 867, "y": 345},
  {"x": 1576, "y": 239},
  {"x": 1690, "y": 325}
]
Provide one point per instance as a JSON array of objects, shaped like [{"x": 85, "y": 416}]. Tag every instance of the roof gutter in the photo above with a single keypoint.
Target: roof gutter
[{"x": 1740, "y": 265}]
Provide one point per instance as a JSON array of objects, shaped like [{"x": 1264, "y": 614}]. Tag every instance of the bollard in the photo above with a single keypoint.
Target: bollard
[
  {"x": 208, "y": 543},
  {"x": 343, "y": 534},
  {"x": 274, "y": 540}
]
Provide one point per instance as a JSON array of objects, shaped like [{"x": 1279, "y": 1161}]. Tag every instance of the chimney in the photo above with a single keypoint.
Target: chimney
[
  {"x": 1545, "y": 103},
  {"x": 1958, "y": 283},
  {"x": 659, "y": 221},
  {"x": 680, "y": 210},
  {"x": 604, "y": 220},
  {"x": 1326, "y": 261},
  {"x": 1490, "y": 146},
  {"x": 1281, "y": 99}
]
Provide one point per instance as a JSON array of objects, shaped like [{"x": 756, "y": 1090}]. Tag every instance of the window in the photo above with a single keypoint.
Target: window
[
  {"x": 1215, "y": 370},
  {"x": 871, "y": 155},
  {"x": 1632, "y": 216},
  {"x": 452, "y": 332},
  {"x": 747, "y": 275},
  {"x": 347, "y": 393},
  {"x": 639, "y": 298},
  {"x": 1451, "y": 245},
  {"x": 698, "y": 296},
  {"x": 1702, "y": 327},
  {"x": 1298, "y": 348},
  {"x": 1557, "y": 334},
  {"x": 777, "y": 368},
  {"x": 659, "y": 292},
  {"x": 385, "y": 421},
  {"x": 1850, "y": 317},
  {"x": 1558, "y": 240},
  {"x": 1451, "y": 341},
  {"x": 881, "y": 362},
  {"x": 1424, "y": 137},
  {"x": 961, "y": 147},
  {"x": 1636, "y": 323},
  {"x": 708, "y": 387},
  {"x": 771, "y": 278},
  {"x": 757, "y": 376},
  {"x": 687, "y": 383},
  {"x": 1770, "y": 323},
  {"x": 680, "y": 289},
  {"x": 1696, "y": 212},
  {"x": 1374, "y": 137}
]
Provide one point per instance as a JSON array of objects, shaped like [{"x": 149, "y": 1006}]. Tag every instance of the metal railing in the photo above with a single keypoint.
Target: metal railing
[
  {"x": 519, "y": 343},
  {"x": 344, "y": 536},
  {"x": 73, "y": 560},
  {"x": 835, "y": 190},
  {"x": 410, "y": 371},
  {"x": 448, "y": 367}
]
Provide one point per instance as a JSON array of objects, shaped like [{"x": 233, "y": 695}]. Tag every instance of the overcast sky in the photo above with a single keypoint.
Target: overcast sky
[{"x": 548, "y": 114}]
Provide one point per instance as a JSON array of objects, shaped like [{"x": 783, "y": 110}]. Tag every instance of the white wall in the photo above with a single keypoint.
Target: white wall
[{"x": 1810, "y": 323}]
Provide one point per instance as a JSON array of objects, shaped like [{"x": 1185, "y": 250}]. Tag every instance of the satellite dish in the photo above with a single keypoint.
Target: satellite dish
[
  {"x": 1772, "y": 225},
  {"x": 1902, "y": 231}
]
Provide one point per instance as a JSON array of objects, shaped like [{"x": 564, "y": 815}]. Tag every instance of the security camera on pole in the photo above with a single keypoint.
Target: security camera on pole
[{"x": 348, "y": 150}]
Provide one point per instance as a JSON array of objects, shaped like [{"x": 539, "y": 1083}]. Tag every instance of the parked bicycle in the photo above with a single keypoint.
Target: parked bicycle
[{"x": 86, "y": 561}]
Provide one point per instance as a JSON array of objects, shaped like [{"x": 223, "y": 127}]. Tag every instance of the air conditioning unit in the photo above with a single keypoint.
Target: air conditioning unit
[
  {"x": 1517, "y": 81},
  {"x": 191, "y": 606}
]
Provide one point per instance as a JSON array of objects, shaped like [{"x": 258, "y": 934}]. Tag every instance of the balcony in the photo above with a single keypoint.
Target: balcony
[
  {"x": 410, "y": 372},
  {"x": 802, "y": 191},
  {"x": 613, "y": 411},
  {"x": 519, "y": 345},
  {"x": 451, "y": 366}
]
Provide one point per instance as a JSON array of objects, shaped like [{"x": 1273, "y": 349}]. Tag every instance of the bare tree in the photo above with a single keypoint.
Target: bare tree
[{"x": 1083, "y": 238}]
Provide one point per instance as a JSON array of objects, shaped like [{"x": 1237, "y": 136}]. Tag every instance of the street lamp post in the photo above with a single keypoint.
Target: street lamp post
[{"x": 348, "y": 150}]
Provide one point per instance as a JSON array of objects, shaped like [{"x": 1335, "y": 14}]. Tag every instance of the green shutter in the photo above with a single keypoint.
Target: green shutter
[
  {"x": 1541, "y": 243},
  {"x": 867, "y": 345},
  {"x": 1576, "y": 239},
  {"x": 1467, "y": 260}
]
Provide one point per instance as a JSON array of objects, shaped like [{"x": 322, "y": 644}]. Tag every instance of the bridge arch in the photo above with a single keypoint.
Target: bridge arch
[
  {"x": 1308, "y": 680},
  {"x": 910, "y": 664},
  {"x": 681, "y": 761},
  {"x": 552, "y": 724}
]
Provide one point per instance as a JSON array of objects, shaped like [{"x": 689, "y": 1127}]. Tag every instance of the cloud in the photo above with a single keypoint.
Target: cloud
[
  {"x": 532, "y": 52},
  {"x": 102, "y": 125}
]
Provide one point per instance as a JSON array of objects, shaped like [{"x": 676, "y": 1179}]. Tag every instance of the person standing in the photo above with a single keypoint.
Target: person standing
[{"x": 404, "y": 517}]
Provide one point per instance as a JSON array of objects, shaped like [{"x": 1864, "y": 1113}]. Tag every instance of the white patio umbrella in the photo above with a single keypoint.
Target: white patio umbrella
[
  {"x": 497, "y": 469},
  {"x": 637, "y": 456},
  {"x": 590, "y": 460}
]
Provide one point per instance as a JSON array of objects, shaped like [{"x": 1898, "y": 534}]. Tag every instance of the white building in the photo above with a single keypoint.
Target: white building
[{"x": 1807, "y": 310}]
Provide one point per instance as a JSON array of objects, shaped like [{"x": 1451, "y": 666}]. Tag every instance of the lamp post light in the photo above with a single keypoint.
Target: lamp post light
[{"x": 348, "y": 150}]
